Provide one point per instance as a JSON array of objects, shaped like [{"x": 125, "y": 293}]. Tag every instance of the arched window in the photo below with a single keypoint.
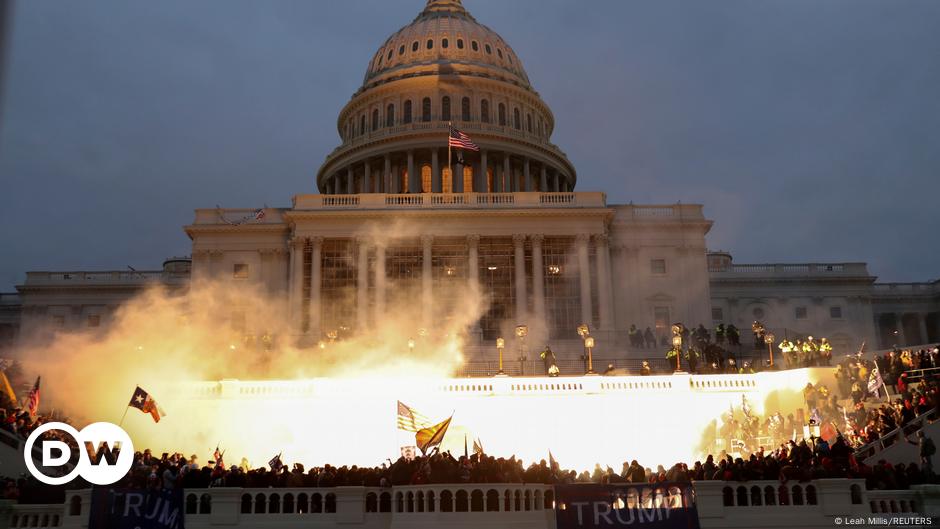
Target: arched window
[
  {"x": 468, "y": 179},
  {"x": 426, "y": 109},
  {"x": 474, "y": 46},
  {"x": 362, "y": 124},
  {"x": 389, "y": 55},
  {"x": 459, "y": 44},
  {"x": 191, "y": 504},
  {"x": 476, "y": 501},
  {"x": 430, "y": 43},
  {"x": 756, "y": 496},
  {"x": 528, "y": 119},
  {"x": 447, "y": 504},
  {"x": 205, "y": 504},
  {"x": 502, "y": 115},
  {"x": 445, "y": 43},
  {"x": 259, "y": 503},
  {"x": 540, "y": 127},
  {"x": 516, "y": 119},
  {"x": 414, "y": 46},
  {"x": 465, "y": 109},
  {"x": 274, "y": 504},
  {"x": 288, "y": 504},
  {"x": 770, "y": 497},
  {"x": 330, "y": 503},
  {"x": 372, "y": 503},
  {"x": 375, "y": 120},
  {"x": 425, "y": 178},
  {"x": 462, "y": 501},
  {"x": 742, "y": 496},
  {"x": 303, "y": 503},
  {"x": 492, "y": 501},
  {"x": 485, "y": 111},
  {"x": 406, "y": 116},
  {"x": 797, "y": 495},
  {"x": 489, "y": 51},
  {"x": 390, "y": 116},
  {"x": 445, "y": 108},
  {"x": 447, "y": 182},
  {"x": 499, "y": 53},
  {"x": 727, "y": 497},
  {"x": 401, "y": 49},
  {"x": 246, "y": 503},
  {"x": 810, "y": 495},
  {"x": 385, "y": 502}
]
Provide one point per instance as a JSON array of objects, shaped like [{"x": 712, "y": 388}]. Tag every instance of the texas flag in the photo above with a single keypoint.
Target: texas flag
[{"x": 145, "y": 403}]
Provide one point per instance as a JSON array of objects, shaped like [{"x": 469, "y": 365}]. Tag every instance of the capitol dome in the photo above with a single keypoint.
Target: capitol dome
[{"x": 445, "y": 69}]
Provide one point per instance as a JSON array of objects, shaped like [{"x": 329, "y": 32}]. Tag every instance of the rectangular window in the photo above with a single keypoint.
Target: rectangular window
[
  {"x": 801, "y": 313},
  {"x": 240, "y": 271},
  {"x": 718, "y": 314},
  {"x": 94, "y": 320},
  {"x": 835, "y": 313},
  {"x": 658, "y": 266},
  {"x": 58, "y": 321},
  {"x": 661, "y": 318}
]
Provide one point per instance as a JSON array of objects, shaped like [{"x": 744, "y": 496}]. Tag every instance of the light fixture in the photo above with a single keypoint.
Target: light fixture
[
  {"x": 583, "y": 330},
  {"x": 554, "y": 270},
  {"x": 491, "y": 268}
]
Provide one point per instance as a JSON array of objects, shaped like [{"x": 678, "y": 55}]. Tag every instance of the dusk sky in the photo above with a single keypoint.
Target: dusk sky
[{"x": 809, "y": 130}]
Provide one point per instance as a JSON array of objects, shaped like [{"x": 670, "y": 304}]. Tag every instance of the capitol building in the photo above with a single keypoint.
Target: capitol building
[{"x": 395, "y": 216}]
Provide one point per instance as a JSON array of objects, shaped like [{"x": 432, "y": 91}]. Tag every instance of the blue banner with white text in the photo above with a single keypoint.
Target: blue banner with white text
[
  {"x": 135, "y": 509},
  {"x": 647, "y": 506}
]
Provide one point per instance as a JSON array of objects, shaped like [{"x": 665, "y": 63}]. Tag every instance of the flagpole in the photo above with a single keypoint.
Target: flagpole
[
  {"x": 123, "y": 416},
  {"x": 449, "y": 168}
]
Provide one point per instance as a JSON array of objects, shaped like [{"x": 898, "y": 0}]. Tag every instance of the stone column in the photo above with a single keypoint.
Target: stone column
[
  {"x": 584, "y": 271},
  {"x": 604, "y": 289},
  {"x": 426, "y": 285},
  {"x": 555, "y": 186},
  {"x": 507, "y": 175},
  {"x": 473, "y": 257},
  {"x": 526, "y": 176},
  {"x": 350, "y": 180},
  {"x": 538, "y": 279},
  {"x": 379, "y": 283},
  {"x": 296, "y": 282},
  {"x": 437, "y": 185},
  {"x": 387, "y": 177},
  {"x": 316, "y": 268},
  {"x": 366, "y": 179},
  {"x": 482, "y": 178},
  {"x": 543, "y": 179},
  {"x": 497, "y": 177},
  {"x": 522, "y": 302},
  {"x": 457, "y": 178},
  {"x": 414, "y": 184},
  {"x": 362, "y": 285}
]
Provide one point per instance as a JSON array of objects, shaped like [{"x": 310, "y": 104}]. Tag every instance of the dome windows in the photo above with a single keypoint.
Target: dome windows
[
  {"x": 459, "y": 44},
  {"x": 485, "y": 111},
  {"x": 362, "y": 125},
  {"x": 430, "y": 44},
  {"x": 390, "y": 51},
  {"x": 445, "y": 43},
  {"x": 426, "y": 109},
  {"x": 499, "y": 53},
  {"x": 375, "y": 120},
  {"x": 502, "y": 115},
  {"x": 406, "y": 112},
  {"x": 465, "y": 109},
  {"x": 516, "y": 119},
  {"x": 474, "y": 46},
  {"x": 414, "y": 46},
  {"x": 401, "y": 49},
  {"x": 390, "y": 116},
  {"x": 445, "y": 108},
  {"x": 528, "y": 119},
  {"x": 489, "y": 50}
]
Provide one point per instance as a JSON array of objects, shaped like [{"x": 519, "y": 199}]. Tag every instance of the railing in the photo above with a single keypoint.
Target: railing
[
  {"x": 918, "y": 375},
  {"x": 895, "y": 436},
  {"x": 852, "y": 269},
  {"x": 445, "y": 200},
  {"x": 108, "y": 277},
  {"x": 472, "y": 505},
  {"x": 907, "y": 288}
]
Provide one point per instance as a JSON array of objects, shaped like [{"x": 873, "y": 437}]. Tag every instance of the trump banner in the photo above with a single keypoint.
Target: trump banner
[
  {"x": 135, "y": 509},
  {"x": 647, "y": 506}
]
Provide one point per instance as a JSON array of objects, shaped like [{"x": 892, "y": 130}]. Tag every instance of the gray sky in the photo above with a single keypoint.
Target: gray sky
[{"x": 809, "y": 130}]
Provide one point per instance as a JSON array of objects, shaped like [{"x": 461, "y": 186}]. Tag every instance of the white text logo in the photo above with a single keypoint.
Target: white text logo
[{"x": 105, "y": 453}]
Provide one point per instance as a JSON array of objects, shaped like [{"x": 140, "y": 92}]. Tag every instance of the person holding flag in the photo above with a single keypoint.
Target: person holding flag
[{"x": 275, "y": 463}]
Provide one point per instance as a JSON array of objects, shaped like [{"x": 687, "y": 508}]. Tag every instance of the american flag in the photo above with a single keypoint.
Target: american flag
[
  {"x": 461, "y": 141},
  {"x": 32, "y": 400},
  {"x": 259, "y": 214},
  {"x": 410, "y": 420}
]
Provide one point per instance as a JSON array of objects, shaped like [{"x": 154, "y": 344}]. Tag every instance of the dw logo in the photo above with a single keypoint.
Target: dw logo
[{"x": 105, "y": 453}]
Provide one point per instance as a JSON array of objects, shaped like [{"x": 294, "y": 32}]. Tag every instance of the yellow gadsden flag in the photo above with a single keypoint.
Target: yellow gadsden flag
[{"x": 428, "y": 438}]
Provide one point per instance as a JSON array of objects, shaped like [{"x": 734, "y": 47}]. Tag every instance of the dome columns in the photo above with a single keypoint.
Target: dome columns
[{"x": 420, "y": 170}]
